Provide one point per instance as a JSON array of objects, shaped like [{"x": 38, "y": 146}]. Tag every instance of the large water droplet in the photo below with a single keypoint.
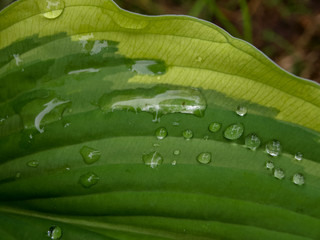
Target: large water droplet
[
  {"x": 214, "y": 127},
  {"x": 152, "y": 159},
  {"x": 161, "y": 133},
  {"x": 273, "y": 148},
  {"x": 51, "y": 9},
  {"x": 90, "y": 155},
  {"x": 89, "y": 179},
  {"x": 176, "y": 152},
  {"x": 298, "y": 156},
  {"x": 252, "y": 141},
  {"x": 55, "y": 232},
  {"x": 234, "y": 131},
  {"x": 187, "y": 134},
  {"x": 241, "y": 111},
  {"x": 298, "y": 179},
  {"x": 33, "y": 163},
  {"x": 278, "y": 173},
  {"x": 204, "y": 158},
  {"x": 269, "y": 165},
  {"x": 158, "y": 101}
]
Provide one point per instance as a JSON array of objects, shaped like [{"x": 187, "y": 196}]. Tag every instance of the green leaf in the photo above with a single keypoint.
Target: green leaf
[{"x": 115, "y": 125}]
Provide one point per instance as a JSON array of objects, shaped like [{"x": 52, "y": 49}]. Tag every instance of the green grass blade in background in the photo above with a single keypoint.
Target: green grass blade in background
[{"x": 122, "y": 126}]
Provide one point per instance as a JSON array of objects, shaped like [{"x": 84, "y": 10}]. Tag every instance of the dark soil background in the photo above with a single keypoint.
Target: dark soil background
[{"x": 288, "y": 31}]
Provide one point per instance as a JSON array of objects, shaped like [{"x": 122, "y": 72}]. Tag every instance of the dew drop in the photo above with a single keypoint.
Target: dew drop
[
  {"x": 214, "y": 127},
  {"x": 152, "y": 159},
  {"x": 206, "y": 138},
  {"x": 298, "y": 156},
  {"x": 269, "y": 165},
  {"x": 252, "y": 141},
  {"x": 66, "y": 125},
  {"x": 241, "y": 110},
  {"x": 176, "y": 152},
  {"x": 89, "y": 179},
  {"x": 55, "y": 232},
  {"x": 278, "y": 173},
  {"x": 33, "y": 163},
  {"x": 90, "y": 155},
  {"x": 174, "y": 162},
  {"x": 18, "y": 174},
  {"x": 187, "y": 134},
  {"x": 298, "y": 179},
  {"x": 199, "y": 59},
  {"x": 204, "y": 158},
  {"x": 156, "y": 145},
  {"x": 273, "y": 148},
  {"x": 161, "y": 133},
  {"x": 234, "y": 131},
  {"x": 2, "y": 120},
  {"x": 52, "y": 9}
]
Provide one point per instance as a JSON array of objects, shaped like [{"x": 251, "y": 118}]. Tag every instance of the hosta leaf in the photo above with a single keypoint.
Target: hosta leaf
[{"x": 115, "y": 125}]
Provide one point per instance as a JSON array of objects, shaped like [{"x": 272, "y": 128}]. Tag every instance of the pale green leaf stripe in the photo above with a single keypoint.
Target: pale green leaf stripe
[{"x": 227, "y": 65}]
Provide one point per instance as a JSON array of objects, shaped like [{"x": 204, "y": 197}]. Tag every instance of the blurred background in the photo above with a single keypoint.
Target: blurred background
[{"x": 288, "y": 31}]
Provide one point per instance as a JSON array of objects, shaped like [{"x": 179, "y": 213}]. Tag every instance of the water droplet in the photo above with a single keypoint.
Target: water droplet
[
  {"x": 18, "y": 174},
  {"x": 86, "y": 70},
  {"x": 206, "y": 138},
  {"x": 298, "y": 179},
  {"x": 241, "y": 111},
  {"x": 156, "y": 145},
  {"x": 204, "y": 158},
  {"x": 98, "y": 46},
  {"x": 89, "y": 179},
  {"x": 50, "y": 106},
  {"x": 33, "y": 163},
  {"x": 2, "y": 120},
  {"x": 52, "y": 8},
  {"x": 153, "y": 159},
  {"x": 67, "y": 125},
  {"x": 158, "y": 101},
  {"x": 187, "y": 134},
  {"x": 55, "y": 232},
  {"x": 176, "y": 152},
  {"x": 252, "y": 141},
  {"x": 234, "y": 131},
  {"x": 269, "y": 165},
  {"x": 161, "y": 133},
  {"x": 148, "y": 67},
  {"x": 214, "y": 127},
  {"x": 273, "y": 148},
  {"x": 176, "y": 124},
  {"x": 17, "y": 59},
  {"x": 90, "y": 155},
  {"x": 298, "y": 156},
  {"x": 199, "y": 59},
  {"x": 174, "y": 162},
  {"x": 278, "y": 173}
]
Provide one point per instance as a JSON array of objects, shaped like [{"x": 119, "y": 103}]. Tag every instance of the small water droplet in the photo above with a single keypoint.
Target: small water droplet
[
  {"x": 252, "y": 141},
  {"x": 89, "y": 179},
  {"x": 161, "y": 133},
  {"x": 67, "y": 125},
  {"x": 55, "y": 232},
  {"x": 298, "y": 179},
  {"x": 175, "y": 124},
  {"x": 298, "y": 156},
  {"x": 273, "y": 148},
  {"x": 176, "y": 152},
  {"x": 214, "y": 127},
  {"x": 204, "y": 158},
  {"x": 18, "y": 174},
  {"x": 187, "y": 134},
  {"x": 206, "y": 138},
  {"x": 52, "y": 8},
  {"x": 199, "y": 59},
  {"x": 269, "y": 165},
  {"x": 152, "y": 159},
  {"x": 2, "y": 120},
  {"x": 90, "y": 155},
  {"x": 234, "y": 131},
  {"x": 33, "y": 163},
  {"x": 278, "y": 173},
  {"x": 156, "y": 145},
  {"x": 241, "y": 110},
  {"x": 174, "y": 162}
]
